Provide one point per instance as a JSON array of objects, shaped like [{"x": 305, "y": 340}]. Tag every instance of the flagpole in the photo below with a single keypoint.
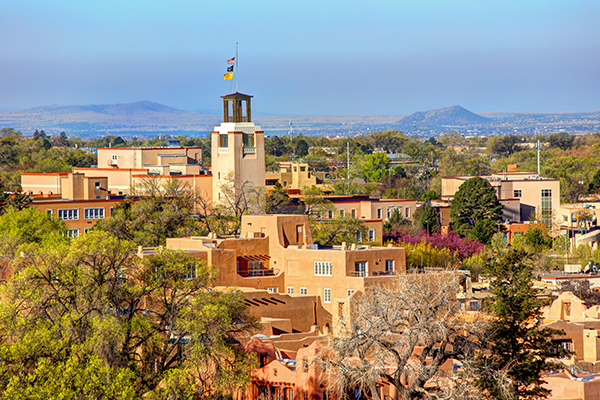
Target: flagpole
[{"x": 237, "y": 60}]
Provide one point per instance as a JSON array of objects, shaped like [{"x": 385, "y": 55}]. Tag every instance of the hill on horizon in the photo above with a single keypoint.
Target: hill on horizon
[
  {"x": 449, "y": 116},
  {"x": 148, "y": 119},
  {"x": 141, "y": 117}
]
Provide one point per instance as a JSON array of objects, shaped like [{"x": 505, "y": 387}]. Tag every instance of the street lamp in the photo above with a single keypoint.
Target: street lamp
[{"x": 417, "y": 251}]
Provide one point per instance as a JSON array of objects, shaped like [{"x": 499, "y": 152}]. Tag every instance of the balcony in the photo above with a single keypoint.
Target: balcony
[
  {"x": 258, "y": 273},
  {"x": 365, "y": 274},
  {"x": 249, "y": 150}
]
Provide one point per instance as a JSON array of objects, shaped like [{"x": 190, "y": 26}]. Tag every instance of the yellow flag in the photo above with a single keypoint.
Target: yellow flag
[{"x": 228, "y": 76}]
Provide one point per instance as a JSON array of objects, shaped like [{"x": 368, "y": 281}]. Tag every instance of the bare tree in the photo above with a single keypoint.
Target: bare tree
[{"x": 406, "y": 334}]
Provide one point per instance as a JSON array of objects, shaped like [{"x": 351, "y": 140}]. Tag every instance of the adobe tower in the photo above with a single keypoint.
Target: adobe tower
[{"x": 238, "y": 148}]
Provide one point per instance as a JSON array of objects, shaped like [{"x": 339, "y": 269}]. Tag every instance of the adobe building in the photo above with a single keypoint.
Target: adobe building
[
  {"x": 277, "y": 253},
  {"x": 238, "y": 148},
  {"x": 523, "y": 194},
  {"x": 295, "y": 175},
  {"x": 81, "y": 201}
]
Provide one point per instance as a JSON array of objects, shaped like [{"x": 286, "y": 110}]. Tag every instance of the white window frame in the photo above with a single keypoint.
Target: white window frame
[
  {"x": 323, "y": 268},
  {"x": 72, "y": 233},
  {"x": 191, "y": 272},
  {"x": 407, "y": 212},
  {"x": 68, "y": 214},
  {"x": 349, "y": 292},
  {"x": 388, "y": 263},
  {"x": 290, "y": 290},
  {"x": 94, "y": 213},
  {"x": 371, "y": 235},
  {"x": 379, "y": 213},
  {"x": 326, "y": 295},
  {"x": 517, "y": 193},
  {"x": 114, "y": 157},
  {"x": 303, "y": 290},
  {"x": 272, "y": 289},
  {"x": 358, "y": 236}
]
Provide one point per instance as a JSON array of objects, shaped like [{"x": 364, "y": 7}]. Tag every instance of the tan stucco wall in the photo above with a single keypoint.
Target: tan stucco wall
[{"x": 228, "y": 160}]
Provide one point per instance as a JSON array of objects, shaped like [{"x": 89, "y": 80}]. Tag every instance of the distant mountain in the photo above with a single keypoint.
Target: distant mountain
[
  {"x": 147, "y": 119},
  {"x": 449, "y": 116},
  {"x": 139, "y": 118}
]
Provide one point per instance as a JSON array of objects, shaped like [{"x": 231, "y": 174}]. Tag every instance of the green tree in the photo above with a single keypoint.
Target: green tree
[
  {"x": 277, "y": 199},
  {"x": 594, "y": 185},
  {"x": 431, "y": 195},
  {"x": 561, "y": 140},
  {"x": 505, "y": 145},
  {"x": 519, "y": 348},
  {"x": 160, "y": 212},
  {"x": 19, "y": 227},
  {"x": 426, "y": 217},
  {"x": 92, "y": 320},
  {"x": 301, "y": 148},
  {"x": 395, "y": 222},
  {"x": 338, "y": 230},
  {"x": 375, "y": 166},
  {"x": 475, "y": 210}
]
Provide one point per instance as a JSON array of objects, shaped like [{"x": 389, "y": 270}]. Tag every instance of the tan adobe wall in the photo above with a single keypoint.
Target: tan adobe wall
[
  {"x": 140, "y": 157},
  {"x": 42, "y": 183},
  {"x": 246, "y": 164},
  {"x": 81, "y": 223}
]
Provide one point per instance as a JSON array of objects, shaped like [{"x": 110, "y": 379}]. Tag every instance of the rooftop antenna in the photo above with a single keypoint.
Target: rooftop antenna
[
  {"x": 291, "y": 135},
  {"x": 538, "y": 146}
]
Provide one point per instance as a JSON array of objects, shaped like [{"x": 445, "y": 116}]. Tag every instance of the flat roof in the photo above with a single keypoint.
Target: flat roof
[{"x": 148, "y": 148}]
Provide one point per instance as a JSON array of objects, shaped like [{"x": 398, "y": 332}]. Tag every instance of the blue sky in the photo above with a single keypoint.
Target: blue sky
[{"x": 304, "y": 57}]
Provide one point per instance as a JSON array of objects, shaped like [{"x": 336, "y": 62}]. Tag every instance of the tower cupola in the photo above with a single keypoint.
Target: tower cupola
[{"x": 235, "y": 113}]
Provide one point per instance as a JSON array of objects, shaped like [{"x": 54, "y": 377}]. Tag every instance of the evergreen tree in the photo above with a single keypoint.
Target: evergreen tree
[
  {"x": 426, "y": 217},
  {"x": 517, "y": 349},
  {"x": 475, "y": 210}
]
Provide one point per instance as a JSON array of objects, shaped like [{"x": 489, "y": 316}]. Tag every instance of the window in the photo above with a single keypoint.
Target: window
[
  {"x": 358, "y": 236},
  {"x": 379, "y": 213},
  {"x": 360, "y": 268},
  {"x": 86, "y": 230},
  {"x": 273, "y": 289},
  {"x": 342, "y": 213},
  {"x": 50, "y": 211},
  {"x": 327, "y": 295},
  {"x": 97, "y": 185},
  {"x": 349, "y": 292},
  {"x": 112, "y": 211},
  {"x": 330, "y": 214},
  {"x": 303, "y": 290},
  {"x": 407, "y": 212},
  {"x": 302, "y": 169},
  {"x": 114, "y": 157},
  {"x": 547, "y": 207},
  {"x": 390, "y": 210},
  {"x": 323, "y": 268},
  {"x": 389, "y": 265},
  {"x": 290, "y": 290},
  {"x": 353, "y": 213},
  {"x": 371, "y": 235},
  {"x": 517, "y": 193},
  {"x": 93, "y": 213},
  {"x": 68, "y": 214},
  {"x": 191, "y": 271},
  {"x": 72, "y": 233},
  {"x": 305, "y": 364},
  {"x": 248, "y": 140},
  {"x": 223, "y": 141}
]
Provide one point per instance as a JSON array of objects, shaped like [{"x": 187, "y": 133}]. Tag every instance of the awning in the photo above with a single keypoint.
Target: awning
[{"x": 261, "y": 257}]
